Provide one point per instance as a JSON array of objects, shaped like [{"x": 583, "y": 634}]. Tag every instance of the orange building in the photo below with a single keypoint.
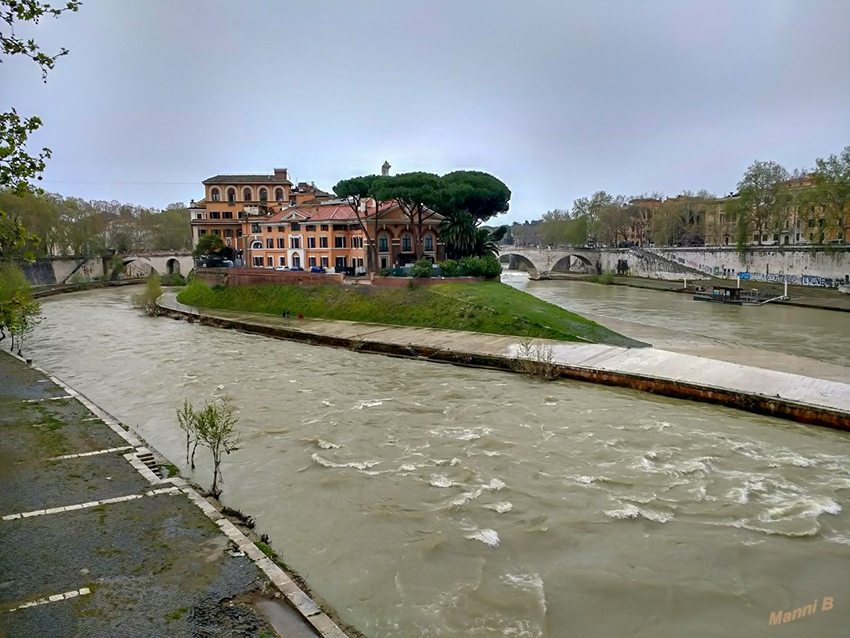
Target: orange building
[{"x": 267, "y": 222}]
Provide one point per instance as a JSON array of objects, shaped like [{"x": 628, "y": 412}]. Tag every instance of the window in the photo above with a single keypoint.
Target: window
[
  {"x": 278, "y": 194},
  {"x": 296, "y": 261},
  {"x": 255, "y": 228},
  {"x": 295, "y": 226},
  {"x": 228, "y": 214},
  {"x": 339, "y": 242},
  {"x": 270, "y": 262},
  {"x": 360, "y": 262},
  {"x": 202, "y": 232},
  {"x": 340, "y": 227},
  {"x": 429, "y": 242},
  {"x": 324, "y": 226},
  {"x": 323, "y": 242},
  {"x": 258, "y": 262},
  {"x": 406, "y": 244},
  {"x": 231, "y": 195},
  {"x": 264, "y": 195},
  {"x": 311, "y": 228},
  {"x": 268, "y": 229},
  {"x": 280, "y": 243},
  {"x": 311, "y": 242},
  {"x": 324, "y": 262},
  {"x": 214, "y": 194},
  {"x": 282, "y": 261},
  {"x": 215, "y": 214},
  {"x": 246, "y": 194},
  {"x": 292, "y": 200},
  {"x": 217, "y": 232},
  {"x": 239, "y": 232},
  {"x": 295, "y": 242},
  {"x": 269, "y": 242},
  {"x": 199, "y": 216},
  {"x": 257, "y": 245},
  {"x": 228, "y": 232},
  {"x": 312, "y": 262},
  {"x": 340, "y": 263},
  {"x": 383, "y": 243}
]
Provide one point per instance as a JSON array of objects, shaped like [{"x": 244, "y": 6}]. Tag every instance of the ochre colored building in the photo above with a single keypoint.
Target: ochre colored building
[{"x": 267, "y": 222}]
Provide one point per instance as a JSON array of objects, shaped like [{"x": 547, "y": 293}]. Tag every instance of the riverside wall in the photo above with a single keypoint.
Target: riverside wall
[{"x": 804, "y": 266}]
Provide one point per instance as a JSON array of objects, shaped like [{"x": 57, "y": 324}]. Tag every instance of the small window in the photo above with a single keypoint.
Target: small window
[
  {"x": 324, "y": 262},
  {"x": 228, "y": 214},
  {"x": 383, "y": 243},
  {"x": 264, "y": 195},
  {"x": 292, "y": 200},
  {"x": 295, "y": 226},
  {"x": 270, "y": 261},
  {"x": 231, "y": 195},
  {"x": 255, "y": 228},
  {"x": 268, "y": 229},
  {"x": 295, "y": 242},
  {"x": 281, "y": 243},
  {"x": 199, "y": 216},
  {"x": 340, "y": 227},
  {"x": 296, "y": 261},
  {"x": 283, "y": 260},
  {"x": 246, "y": 194},
  {"x": 258, "y": 262},
  {"x": 278, "y": 194},
  {"x": 324, "y": 226},
  {"x": 339, "y": 242},
  {"x": 406, "y": 244},
  {"x": 340, "y": 263},
  {"x": 228, "y": 232},
  {"x": 311, "y": 242},
  {"x": 257, "y": 245},
  {"x": 323, "y": 242},
  {"x": 311, "y": 228},
  {"x": 202, "y": 232},
  {"x": 429, "y": 242},
  {"x": 312, "y": 262},
  {"x": 269, "y": 242},
  {"x": 214, "y": 194},
  {"x": 215, "y": 215}
]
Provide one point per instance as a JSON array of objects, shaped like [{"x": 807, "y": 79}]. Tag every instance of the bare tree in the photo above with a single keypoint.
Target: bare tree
[{"x": 217, "y": 430}]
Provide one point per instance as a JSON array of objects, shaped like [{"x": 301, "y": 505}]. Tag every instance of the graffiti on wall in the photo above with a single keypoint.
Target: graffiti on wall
[{"x": 801, "y": 280}]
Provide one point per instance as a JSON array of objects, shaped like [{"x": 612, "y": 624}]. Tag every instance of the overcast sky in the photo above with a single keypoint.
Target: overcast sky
[{"x": 556, "y": 98}]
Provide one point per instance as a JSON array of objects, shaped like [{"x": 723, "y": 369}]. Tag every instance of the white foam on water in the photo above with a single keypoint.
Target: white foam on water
[
  {"x": 370, "y": 403},
  {"x": 360, "y": 465},
  {"x": 441, "y": 480},
  {"x": 501, "y": 508},
  {"x": 327, "y": 403},
  {"x": 487, "y": 536},
  {"x": 327, "y": 445},
  {"x": 531, "y": 582},
  {"x": 632, "y": 511}
]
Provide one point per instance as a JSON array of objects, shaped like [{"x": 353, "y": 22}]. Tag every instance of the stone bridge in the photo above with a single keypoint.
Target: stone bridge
[
  {"x": 539, "y": 261},
  {"x": 165, "y": 262}
]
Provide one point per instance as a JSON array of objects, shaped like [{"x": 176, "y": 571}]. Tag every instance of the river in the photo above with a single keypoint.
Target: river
[
  {"x": 800, "y": 337},
  {"x": 423, "y": 499}
]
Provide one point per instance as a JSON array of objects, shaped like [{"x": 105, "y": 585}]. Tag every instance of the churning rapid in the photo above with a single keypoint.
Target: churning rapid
[{"x": 423, "y": 499}]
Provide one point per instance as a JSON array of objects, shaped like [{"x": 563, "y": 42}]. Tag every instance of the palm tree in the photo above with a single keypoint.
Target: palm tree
[
  {"x": 487, "y": 242},
  {"x": 458, "y": 231}
]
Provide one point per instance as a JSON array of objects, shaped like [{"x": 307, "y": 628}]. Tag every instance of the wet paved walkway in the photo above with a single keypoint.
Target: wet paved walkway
[
  {"x": 93, "y": 545},
  {"x": 650, "y": 363}
]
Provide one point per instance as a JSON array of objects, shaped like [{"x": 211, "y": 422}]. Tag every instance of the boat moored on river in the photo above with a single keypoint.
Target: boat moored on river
[{"x": 729, "y": 295}]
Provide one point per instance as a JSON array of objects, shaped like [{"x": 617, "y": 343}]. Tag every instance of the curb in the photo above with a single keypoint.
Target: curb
[{"x": 296, "y": 597}]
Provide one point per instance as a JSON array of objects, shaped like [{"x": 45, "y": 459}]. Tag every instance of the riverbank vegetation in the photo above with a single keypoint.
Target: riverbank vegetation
[
  {"x": 488, "y": 307},
  {"x": 146, "y": 299}
]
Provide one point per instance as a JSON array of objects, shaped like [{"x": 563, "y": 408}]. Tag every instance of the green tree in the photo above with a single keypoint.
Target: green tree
[
  {"x": 210, "y": 244},
  {"x": 458, "y": 232},
  {"x": 476, "y": 193},
  {"x": 417, "y": 194},
  {"x": 19, "y": 313},
  {"x": 216, "y": 429},
  {"x": 831, "y": 191},
  {"x": 762, "y": 203},
  {"x": 357, "y": 191}
]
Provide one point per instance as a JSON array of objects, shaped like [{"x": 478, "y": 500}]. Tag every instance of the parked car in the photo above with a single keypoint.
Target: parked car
[
  {"x": 297, "y": 269},
  {"x": 281, "y": 268},
  {"x": 317, "y": 269}
]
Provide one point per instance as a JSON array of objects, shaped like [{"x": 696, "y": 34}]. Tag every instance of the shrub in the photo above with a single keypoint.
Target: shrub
[
  {"x": 421, "y": 269},
  {"x": 385, "y": 272},
  {"x": 536, "y": 360},
  {"x": 450, "y": 268},
  {"x": 172, "y": 279},
  {"x": 117, "y": 267},
  {"x": 488, "y": 267},
  {"x": 146, "y": 300}
]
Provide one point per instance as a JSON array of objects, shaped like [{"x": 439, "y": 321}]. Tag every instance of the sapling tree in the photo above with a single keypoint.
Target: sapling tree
[
  {"x": 187, "y": 418},
  {"x": 216, "y": 429}
]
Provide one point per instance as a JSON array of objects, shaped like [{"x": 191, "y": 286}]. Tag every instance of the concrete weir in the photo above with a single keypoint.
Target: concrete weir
[{"x": 781, "y": 394}]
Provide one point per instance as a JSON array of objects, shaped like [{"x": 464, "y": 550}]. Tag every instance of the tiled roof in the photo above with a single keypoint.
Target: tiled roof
[
  {"x": 326, "y": 211},
  {"x": 247, "y": 179}
]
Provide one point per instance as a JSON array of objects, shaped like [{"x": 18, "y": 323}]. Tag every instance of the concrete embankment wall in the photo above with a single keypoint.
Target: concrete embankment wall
[
  {"x": 796, "y": 265},
  {"x": 262, "y": 277},
  {"x": 757, "y": 403},
  {"x": 642, "y": 263},
  {"x": 56, "y": 270}
]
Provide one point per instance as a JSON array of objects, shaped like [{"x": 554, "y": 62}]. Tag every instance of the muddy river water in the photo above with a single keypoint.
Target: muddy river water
[{"x": 423, "y": 499}]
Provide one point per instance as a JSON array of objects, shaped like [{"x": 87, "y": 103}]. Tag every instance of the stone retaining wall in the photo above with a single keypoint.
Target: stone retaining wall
[
  {"x": 261, "y": 277},
  {"x": 401, "y": 282}
]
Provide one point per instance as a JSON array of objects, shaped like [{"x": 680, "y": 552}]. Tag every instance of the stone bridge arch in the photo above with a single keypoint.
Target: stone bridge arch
[
  {"x": 571, "y": 261},
  {"x": 544, "y": 260},
  {"x": 137, "y": 266}
]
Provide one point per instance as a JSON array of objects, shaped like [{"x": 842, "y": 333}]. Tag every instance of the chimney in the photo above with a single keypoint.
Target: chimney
[
  {"x": 281, "y": 172},
  {"x": 385, "y": 169}
]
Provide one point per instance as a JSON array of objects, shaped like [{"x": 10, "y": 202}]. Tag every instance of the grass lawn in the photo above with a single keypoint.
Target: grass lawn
[{"x": 489, "y": 307}]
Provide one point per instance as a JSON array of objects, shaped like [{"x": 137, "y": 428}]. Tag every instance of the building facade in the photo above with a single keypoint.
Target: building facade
[{"x": 267, "y": 222}]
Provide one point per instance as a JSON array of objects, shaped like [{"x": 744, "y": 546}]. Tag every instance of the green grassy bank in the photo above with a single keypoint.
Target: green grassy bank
[{"x": 489, "y": 307}]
